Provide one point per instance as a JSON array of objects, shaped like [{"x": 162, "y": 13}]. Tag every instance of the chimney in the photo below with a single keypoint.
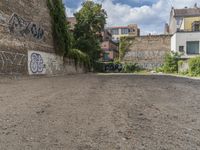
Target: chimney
[{"x": 195, "y": 5}]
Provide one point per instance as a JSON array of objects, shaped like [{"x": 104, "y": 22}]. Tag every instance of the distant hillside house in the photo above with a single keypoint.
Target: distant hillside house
[
  {"x": 122, "y": 31},
  {"x": 184, "y": 25}
]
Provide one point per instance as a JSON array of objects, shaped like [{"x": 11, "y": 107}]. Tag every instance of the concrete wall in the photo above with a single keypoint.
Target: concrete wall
[
  {"x": 25, "y": 28},
  {"x": 148, "y": 51},
  {"x": 41, "y": 63},
  {"x": 181, "y": 39}
]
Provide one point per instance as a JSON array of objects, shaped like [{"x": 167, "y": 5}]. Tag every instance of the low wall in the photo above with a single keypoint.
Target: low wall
[
  {"x": 42, "y": 63},
  {"x": 148, "y": 51}
]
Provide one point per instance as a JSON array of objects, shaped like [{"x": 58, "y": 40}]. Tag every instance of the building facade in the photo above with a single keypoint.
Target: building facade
[
  {"x": 185, "y": 28},
  {"x": 122, "y": 31},
  {"x": 182, "y": 19},
  {"x": 109, "y": 48}
]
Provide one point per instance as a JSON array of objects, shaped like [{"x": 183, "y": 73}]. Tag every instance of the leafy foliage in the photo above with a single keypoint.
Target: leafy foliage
[
  {"x": 123, "y": 46},
  {"x": 99, "y": 66},
  {"x": 61, "y": 35},
  {"x": 171, "y": 63},
  {"x": 194, "y": 66},
  {"x": 130, "y": 67},
  {"x": 79, "y": 57},
  {"x": 87, "y": 33}
]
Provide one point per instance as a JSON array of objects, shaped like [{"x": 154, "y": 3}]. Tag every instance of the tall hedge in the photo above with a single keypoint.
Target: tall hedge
[
  {"x": 61, "y": 33},
  {"x": 194, "y": 66}
]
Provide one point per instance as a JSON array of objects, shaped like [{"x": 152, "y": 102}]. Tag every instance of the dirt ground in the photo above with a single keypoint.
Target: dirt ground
[{"x": 100, "y": 112}]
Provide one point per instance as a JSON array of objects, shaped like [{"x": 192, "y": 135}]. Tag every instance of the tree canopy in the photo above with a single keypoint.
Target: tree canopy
[{"x": 91, "y": 20}]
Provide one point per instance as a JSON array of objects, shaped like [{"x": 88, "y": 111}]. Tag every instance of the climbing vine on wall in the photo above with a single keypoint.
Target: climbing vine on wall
[
  {"x": 61, "y": 34},
  {"x": 123, "y": 47}
]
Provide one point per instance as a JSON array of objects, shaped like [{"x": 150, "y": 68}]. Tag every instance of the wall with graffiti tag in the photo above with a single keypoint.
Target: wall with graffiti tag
[
  {"x": 26, "y": 41},
  {"x": 42, "y": 63},
  {"x": 148, "y": 51}
]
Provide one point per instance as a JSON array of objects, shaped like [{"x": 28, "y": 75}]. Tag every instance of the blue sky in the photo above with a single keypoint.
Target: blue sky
[
  {"x": 133, "y": 3},
  {"x": 150, "y": 15}
]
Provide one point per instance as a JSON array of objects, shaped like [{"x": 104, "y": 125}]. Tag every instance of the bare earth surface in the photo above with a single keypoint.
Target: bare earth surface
[{"x": 98, "y": 112}]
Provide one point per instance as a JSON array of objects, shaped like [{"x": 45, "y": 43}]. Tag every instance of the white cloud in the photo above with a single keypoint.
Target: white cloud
[
  {"x": 69, "y": 11},
  {"x": 151, "y": 19}
]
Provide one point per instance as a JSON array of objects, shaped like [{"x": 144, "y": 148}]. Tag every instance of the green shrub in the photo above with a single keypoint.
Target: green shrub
[
  {"x": 182, "y": 68},
  {"x": 130, "y": 67},
  {"x": 98, "y": 66},
  {"x": 180, "y": 63},
  {"x": 123, "y": 47},
  {"x": 171, "y": 63},
  {"x": 79, "y": 57},
  {"x": 194, "y": 66}
]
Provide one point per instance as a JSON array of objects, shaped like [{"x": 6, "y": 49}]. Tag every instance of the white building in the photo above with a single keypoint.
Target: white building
[
  {"x": 186, "y": 43},
  {"x": 185, "y": 29}
]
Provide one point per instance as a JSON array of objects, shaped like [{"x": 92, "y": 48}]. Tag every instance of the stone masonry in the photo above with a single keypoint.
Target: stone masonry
[
  {"x": 24, "y": 25},
  {"x": 148, "y": 51}
]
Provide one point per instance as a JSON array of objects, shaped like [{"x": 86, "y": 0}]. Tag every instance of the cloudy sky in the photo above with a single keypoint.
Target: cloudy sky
[{"x": 150, "y": 15}]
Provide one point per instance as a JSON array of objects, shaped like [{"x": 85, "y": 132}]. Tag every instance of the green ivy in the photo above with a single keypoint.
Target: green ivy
[
  {"x": 123, "y": 46},
  {"x": 61, "y": 33},
  {"x": 79, "y": 57}
]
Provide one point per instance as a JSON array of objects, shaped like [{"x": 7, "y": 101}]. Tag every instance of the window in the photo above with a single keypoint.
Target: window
[
  {"x": 196, "y": 27},
  {"x": 106, "y": 56},
  {"x": 181, "y": 48},
  {"x": 131, "y": 30},
  {"x": 115, "y": 31},
  {"x": 124, "y": 31},
  {"x": 193, "y": 47}
]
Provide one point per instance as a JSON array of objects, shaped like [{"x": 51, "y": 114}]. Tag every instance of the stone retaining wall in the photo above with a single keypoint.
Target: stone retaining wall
[
  {"x": 25, "y": 28},
  {"x": 148, "y": 51}
]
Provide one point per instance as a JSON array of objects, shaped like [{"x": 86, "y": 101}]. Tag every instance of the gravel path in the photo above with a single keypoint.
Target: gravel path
[{"x": 98, "y": 112}]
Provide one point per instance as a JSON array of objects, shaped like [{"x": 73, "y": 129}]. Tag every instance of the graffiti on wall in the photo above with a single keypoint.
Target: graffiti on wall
[
  {"x": 113, "y": 67},
  {"x": 36, "y": 63},
  {"x": 145, "y": 54},
  {"x": 41, "y": 63},
  {"x": 13, "y": 62},
  {"x": 150, "y": 65},
  {"x": 18, "y": 25},
  {"x": 2, "y": 18},
  {"x": 146, "y": 59}
]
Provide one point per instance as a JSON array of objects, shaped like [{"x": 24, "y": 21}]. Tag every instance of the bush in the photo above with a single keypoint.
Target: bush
[
  {"x": 79, "y": 57},
  {"x": 171, "y": 63},
  {"x": 194, "y": 66},
  {"x": 130, "y": 67},
  {"x": 99, "y": 66}
]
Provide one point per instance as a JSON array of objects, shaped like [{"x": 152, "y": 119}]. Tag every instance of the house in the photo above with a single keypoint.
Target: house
[
  {"x": 109, "y": 48},
  {"x": 122, "y": 31},
  {"x": 184, "y": 25}
]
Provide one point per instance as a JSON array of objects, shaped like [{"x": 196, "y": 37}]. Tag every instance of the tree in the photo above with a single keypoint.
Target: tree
[{"x": 91, "y": 20}]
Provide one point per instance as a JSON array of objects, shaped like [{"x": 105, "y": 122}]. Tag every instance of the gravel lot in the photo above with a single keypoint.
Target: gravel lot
[{"x": 100, "y": 112}]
